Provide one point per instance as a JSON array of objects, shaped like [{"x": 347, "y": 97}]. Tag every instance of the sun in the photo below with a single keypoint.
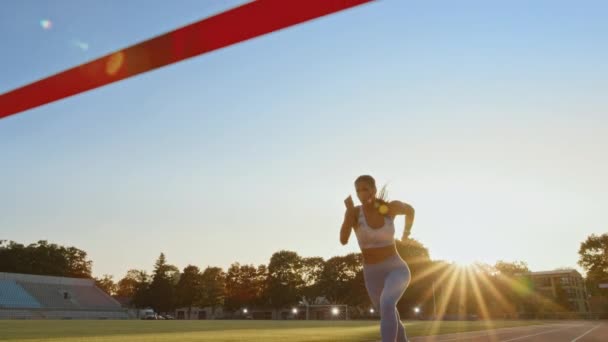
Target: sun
[
  {"x": 465, "y": 260},
  {"x": 467, "y": 256}
]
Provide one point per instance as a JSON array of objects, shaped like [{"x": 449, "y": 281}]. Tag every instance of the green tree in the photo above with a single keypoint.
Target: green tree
[
  {"x": 285, "y": 281},
  {"x": 161, "y": 292},
  {"x": 593, "y": 257},
  {"x": 263, "y": 293},
  {"x": 510, "y": 282},
  {"x": 340, "y": 280},
  {"x": 312, "y": 269},
  {"x": 42, "y": 258},
  {"x": 127, "y": 286},
  {"x": 188, "y": 290},
  {"x": 213, "y": 284},
  {"x": 106, "y": 283},
  {"x": 243, "y": 287},
  {"x": 511, "y": 269},
  {"x": 140, "y": 280}
]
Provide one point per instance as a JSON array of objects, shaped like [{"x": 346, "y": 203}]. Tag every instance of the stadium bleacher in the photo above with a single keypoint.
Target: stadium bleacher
[
  {"x": 24, "y": 296},
  {"x": 13, "y": 295}
]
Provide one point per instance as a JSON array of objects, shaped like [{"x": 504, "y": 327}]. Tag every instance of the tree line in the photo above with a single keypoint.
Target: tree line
[
  {"x": 437, "y": 287},
  {"x": 44, "y": 258}
]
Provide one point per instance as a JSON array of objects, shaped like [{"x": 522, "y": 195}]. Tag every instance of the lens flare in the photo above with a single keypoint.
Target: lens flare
[
  {"x": 46, "y": 24},
  {"x": 82, "y": 46},
  {"x": 114, "y": 63}
]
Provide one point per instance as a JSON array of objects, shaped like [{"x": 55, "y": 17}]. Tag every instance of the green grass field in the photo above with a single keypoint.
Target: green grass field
[{"x": 228, "y": 331}]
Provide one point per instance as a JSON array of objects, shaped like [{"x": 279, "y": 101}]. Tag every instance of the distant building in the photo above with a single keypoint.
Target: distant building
[
  {"x": 549, "y": 284},
  {"x": 319, "y": 309},
  {"x": 196, "y": 312}
]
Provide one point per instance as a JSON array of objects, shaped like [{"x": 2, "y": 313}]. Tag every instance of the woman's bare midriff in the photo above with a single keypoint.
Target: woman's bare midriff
[{"x": 379, "y": 254}]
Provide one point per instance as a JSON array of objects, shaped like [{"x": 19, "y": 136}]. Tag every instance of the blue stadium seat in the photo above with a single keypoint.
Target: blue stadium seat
[{"x": 12, "y": 295}]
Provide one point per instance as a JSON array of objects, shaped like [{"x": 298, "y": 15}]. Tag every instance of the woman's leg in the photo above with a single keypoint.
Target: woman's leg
[
  {"x": 394, "y": 285},
  {"x": 374, "y": 283},
  {"x": 401, "y": 336}
]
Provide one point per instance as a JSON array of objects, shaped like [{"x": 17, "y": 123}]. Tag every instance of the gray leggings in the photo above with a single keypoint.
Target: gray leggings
[{"x": 385, "y": 282}]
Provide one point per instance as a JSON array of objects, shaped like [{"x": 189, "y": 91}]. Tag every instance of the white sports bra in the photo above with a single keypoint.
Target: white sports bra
[{"x": 369, "y": 237}]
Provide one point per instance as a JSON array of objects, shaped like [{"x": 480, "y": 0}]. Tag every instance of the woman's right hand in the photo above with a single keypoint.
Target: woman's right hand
[
  {"x": 350, "y": 220},
  {"x": 350, "y": 211},
  {"x": 348, "y": 202}
]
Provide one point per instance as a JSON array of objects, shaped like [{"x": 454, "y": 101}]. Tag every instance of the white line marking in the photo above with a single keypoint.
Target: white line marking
[
  {"x": 485, "y": 332},
  {"x": 588, "y": 331},
  {"x": 482, "y": 333},
  {"x": 477, "y": 331},
  {"x": 544, "y": 332}
]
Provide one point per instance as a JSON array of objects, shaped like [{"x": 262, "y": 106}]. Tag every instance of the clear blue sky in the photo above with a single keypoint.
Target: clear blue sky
[{"x": 490, "y": 118}]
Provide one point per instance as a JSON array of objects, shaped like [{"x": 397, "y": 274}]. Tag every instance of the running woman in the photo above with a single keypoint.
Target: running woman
[{"x": 386, "y": 274}]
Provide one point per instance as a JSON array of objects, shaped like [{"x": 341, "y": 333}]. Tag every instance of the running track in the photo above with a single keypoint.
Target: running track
[{"x": 568, "y": 331}]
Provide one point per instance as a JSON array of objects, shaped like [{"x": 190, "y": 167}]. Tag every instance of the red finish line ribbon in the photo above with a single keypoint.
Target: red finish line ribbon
[{"x": 233, "y": 26}]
